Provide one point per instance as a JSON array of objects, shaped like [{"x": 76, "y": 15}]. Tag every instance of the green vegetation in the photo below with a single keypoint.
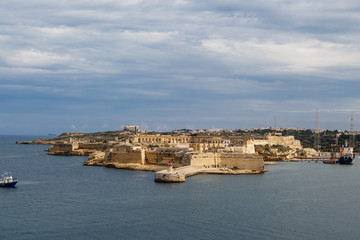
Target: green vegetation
[{"x": 327, "y": 137}]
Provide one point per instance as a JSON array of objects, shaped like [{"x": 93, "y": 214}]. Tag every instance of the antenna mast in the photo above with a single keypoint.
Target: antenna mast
[
  {"x": 317, "y": 143},
  {"x": 352, "y": 132}
]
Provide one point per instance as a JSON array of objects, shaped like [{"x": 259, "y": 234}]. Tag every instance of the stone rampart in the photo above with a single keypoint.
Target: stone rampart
[
  {"x": 240, "y": 161},
  {"x": 125, "y": 154},
  {"x": 64, "y": 147},
  {"x": 201, "y": 160},
  {"x": 260, "y": 141},
  {"x": 288, "y": 141},
  {"x": 227, "y": 160},
  {"x": 162, "y": 156},
  {"x": 159, "y": 158},
  {"x": 137, "y": 156},
  {"x": 93, "y": 146}
]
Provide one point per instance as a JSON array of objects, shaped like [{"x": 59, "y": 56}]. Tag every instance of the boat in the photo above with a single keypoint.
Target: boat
[
  {"x": 7, "y": 180},
  {"x": 346, "y": 155}
]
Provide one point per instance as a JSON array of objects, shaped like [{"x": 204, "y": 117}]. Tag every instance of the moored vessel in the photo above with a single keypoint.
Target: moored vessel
[
  {"x": 7, "y": 180},
  {"x": 347, "y": 155}
]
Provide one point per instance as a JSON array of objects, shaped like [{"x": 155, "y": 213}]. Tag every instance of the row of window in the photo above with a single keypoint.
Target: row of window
[{"x": 159, "y": 140}]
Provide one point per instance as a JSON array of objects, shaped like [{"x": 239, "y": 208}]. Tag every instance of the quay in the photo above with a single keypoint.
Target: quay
[
  {"x": 178, "y": 175},
  {"x": 324, "y": 160}
]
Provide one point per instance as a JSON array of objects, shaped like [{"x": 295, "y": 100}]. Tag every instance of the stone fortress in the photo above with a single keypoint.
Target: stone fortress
[{"x": 187, "y": 152}]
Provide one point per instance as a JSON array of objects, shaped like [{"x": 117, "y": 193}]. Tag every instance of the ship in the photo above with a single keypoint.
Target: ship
[
  {"x": 347, "y": 155},
  {"x": 7, "y": 180}
]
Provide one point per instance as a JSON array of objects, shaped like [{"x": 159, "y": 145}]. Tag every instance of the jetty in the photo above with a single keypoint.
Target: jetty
[
  {"x": 324, "y": 160},
  {"x": 179, "y": 175}
]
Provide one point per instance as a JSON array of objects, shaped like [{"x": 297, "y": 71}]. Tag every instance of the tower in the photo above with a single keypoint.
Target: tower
[
  {"x": 317, "y": 144},
  {"x": 352, "y": 132}
]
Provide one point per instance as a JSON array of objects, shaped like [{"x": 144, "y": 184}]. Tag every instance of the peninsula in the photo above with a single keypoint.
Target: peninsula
[{"x": 178, "y": 154}]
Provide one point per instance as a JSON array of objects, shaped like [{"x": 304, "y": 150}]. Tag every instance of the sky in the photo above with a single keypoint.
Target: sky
[{"x": 97, "y": 65}]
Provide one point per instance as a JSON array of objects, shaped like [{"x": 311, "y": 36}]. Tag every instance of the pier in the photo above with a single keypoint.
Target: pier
[
  {"x": 179, "y": 175},
  {"x": 324, "y": 160}
]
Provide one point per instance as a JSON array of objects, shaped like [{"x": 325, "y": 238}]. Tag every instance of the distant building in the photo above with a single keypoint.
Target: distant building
[{"x": 132, "y": 128}]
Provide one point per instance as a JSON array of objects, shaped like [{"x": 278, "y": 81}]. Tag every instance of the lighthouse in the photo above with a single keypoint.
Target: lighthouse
[{"x": 170, "y": 168}]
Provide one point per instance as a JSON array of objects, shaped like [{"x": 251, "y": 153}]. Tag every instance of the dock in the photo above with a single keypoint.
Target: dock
[
  {"x": 331, "y": 161},
  {"x": 178, "y": 175},
  {"x": 324, "y": 160}
]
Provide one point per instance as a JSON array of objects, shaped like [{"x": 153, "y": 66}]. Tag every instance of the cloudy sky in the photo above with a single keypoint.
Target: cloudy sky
[{"x": 96, "y": 65}]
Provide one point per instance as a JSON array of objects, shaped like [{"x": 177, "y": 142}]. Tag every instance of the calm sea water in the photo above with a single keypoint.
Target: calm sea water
[{"x": 58, "y": 198}]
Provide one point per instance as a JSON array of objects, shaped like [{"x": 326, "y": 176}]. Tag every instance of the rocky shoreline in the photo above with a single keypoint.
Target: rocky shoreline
[
  {"x": 38, "y": 142},
  {"x": 188, "y": 154}
]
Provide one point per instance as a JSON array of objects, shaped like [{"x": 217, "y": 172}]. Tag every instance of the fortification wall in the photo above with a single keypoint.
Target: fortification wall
[
  {"x": 64, "y": 147},
  {"x": 179, "y": 157},
  {"x": 260, "y": 141},
  {"x": 227, "y": 160},
  {"x": 126, "y": 157},
  {"x": 241, "y": 161},
  {"x": 202, "y": 160},
  {"x": 288, "y": 141},
  {"x": 159, "y": 158},
  {"x": 94, "y": 146}
]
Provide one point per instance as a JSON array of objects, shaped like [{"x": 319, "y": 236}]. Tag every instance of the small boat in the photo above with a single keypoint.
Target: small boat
[
  {"x": 7, "y": 180},
  {"x": 346, "y": 155}
]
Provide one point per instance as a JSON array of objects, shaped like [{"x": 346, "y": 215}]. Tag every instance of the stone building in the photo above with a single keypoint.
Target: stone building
[
  {"x": 131, "y": 128},
  {"x": 159, "y": 138},
  {"x": 287, "y": 141}
]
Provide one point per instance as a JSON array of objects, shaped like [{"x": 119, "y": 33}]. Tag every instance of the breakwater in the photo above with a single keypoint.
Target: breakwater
[{"x": 180, "y": 174}]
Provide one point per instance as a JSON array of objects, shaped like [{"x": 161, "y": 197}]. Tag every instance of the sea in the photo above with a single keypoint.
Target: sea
[{"x": 59, "y": 198}]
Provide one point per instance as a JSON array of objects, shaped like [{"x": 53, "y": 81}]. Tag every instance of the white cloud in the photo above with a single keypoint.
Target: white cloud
[
  {"x": 144, "y": 126},
  {"x": 297, "y": 56},
  {"x": 35, "y": 58},
  {"x": 162, "y": 127},
  {"x": 149, "y": 37},
  {"x": 178, "y": 60}
]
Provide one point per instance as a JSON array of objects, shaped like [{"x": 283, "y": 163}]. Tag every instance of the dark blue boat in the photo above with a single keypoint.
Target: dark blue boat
[
  {"x": 346, "y": 155},
  {"x": 7, "y": 180}
]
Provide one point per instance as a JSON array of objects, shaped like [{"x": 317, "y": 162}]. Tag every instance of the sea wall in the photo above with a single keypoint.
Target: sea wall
[
  {"x": 162, "y": 156},
  {"x": 202, "y": 160},
  {"x": 64, "y": 147},
  {"x": 134, "y": 156},
  {"x": 93, "y": 146},
  {"x": 227, "y": 160},
  {"x": 182, "y": 157},
  {"x": 240, "y": 161}
]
